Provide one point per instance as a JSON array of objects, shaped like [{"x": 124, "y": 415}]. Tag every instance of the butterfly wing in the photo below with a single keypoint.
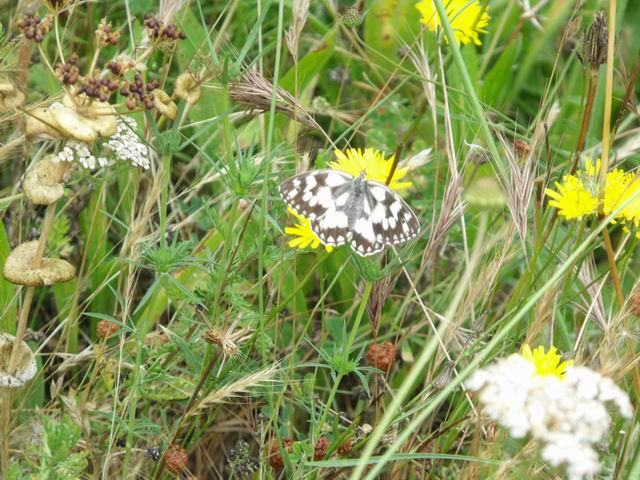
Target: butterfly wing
[
  {"x": 321, "y": 196},
  {"x": 386, "y": 219}
]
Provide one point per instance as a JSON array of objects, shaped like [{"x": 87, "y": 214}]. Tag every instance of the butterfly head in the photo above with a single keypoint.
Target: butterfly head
[{"x": 359, "y": 181}]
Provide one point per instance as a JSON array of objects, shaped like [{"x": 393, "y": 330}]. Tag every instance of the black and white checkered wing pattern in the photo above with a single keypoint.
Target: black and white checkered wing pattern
[
  {"x": 322, "y": 197},
  {"x": 386, "y": 219}
]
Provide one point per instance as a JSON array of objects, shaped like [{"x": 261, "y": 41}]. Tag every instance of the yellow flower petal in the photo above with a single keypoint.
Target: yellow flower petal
[
  {"x": 304, "y": 237},
  {"x": 546, "y": 364},
  {"x": 372, "y": 163},
  {"x": 468, "y": 18}
]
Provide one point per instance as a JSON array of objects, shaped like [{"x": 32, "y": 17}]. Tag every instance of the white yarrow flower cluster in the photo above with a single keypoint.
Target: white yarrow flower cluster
[
  {"x": 79, "y": 151},
  {"x": 124, "y": 144},
  {"x": 568, "y": 414},
  {"x": 127, "y": 146}
]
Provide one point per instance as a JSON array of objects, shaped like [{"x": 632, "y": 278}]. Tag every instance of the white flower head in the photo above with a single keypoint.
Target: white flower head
[
  {"x": 124, "y": 144},
  {"x": 562, "y": 406}
]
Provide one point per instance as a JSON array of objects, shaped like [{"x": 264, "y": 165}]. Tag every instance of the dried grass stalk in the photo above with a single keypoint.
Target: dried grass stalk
[
  {"x": 256, "y": 92},
  {"x": 300, "y": 10},
  {"x": 228, "y": 392}
]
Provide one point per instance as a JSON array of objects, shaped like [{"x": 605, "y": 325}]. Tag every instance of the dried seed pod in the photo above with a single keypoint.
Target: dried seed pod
[
  {"x": 381, "y": 355},
  {"x": 176, "y": 459},
  {"x": 19, "y": 267},
  {"x": 187, "y": 87},
  {"x": 163, "y": 103},
  {"x": 68, "y": 121},
  {"x": 40, "y": 125},
  {"x": 99, "y": 116},
  {"x": 25, "y": 368},
  {"x": 320, "y": 449},
  {"x": 42, "y": 182},
  {"x": 10, "y": 96}
]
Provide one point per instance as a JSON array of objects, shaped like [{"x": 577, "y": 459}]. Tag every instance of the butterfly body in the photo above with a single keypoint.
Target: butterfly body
[{"x": 366, "y": 214}]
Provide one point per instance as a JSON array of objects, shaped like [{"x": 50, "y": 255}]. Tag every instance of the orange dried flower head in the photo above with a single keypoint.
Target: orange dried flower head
[
  {"x": 381, "y": 355},
  {"x": 106, "y": 329},
  {"x": 321, "y": 448},
  {"x": 345, "y": 448},
  {"x": 176, "y": 459},
  {"x": 275, "y": 459}
]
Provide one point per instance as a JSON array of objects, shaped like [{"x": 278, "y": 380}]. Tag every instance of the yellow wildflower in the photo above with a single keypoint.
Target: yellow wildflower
[
  {"x": 468, "y": 18},
  {"x": 577, "y": 195},
  {"x": 546, "y": 364},
  {"x": 572, "y": 199},
  {"x": 372, "y": 163},
  {"x": 304, "y": 236}
]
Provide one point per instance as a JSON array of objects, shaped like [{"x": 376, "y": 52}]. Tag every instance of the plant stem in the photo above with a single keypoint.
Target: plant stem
[
  {"x": 22, "y": 327},
  {"x": 166, "y": 179},
  {"x": 586, "y": 118},
  {"x": 345, "y": 355}
]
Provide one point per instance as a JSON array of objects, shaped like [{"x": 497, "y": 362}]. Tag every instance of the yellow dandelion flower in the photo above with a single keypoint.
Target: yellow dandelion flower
[
  {"x": 304, "y": 236},
  {"x": 546, "y": 364},
  {"x": 468, "y": 18},
  {"x": 577, "y": 195},
  {"x": 372, "y": 163},
  {"x": 573, "y": 200}
]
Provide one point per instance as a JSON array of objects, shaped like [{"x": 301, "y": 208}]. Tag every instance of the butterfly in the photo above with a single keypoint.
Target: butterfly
[{"x": 343, "y": 209}]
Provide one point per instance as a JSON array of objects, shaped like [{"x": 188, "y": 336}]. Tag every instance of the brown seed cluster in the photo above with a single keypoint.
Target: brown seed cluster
[
  {"x": 275, "y": 459},
  {"x": 161, "y": 33},
  {"x": 139, "y": 93},
  {"x": 105, "y": 34},
  {"x": 320, "y": 449},
  {"x": 34, "y": 28},
  {"x": 99, "y": 88},
  {"x": 68, "y": 72},
  {"x": 381, "y": 355},
  {"x": 176, "y": 459},
  {"x": 106, "y": 329}
]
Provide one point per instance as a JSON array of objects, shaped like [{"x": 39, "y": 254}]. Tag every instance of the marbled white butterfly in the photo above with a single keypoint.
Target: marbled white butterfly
[{"x": 366, "y": 214}]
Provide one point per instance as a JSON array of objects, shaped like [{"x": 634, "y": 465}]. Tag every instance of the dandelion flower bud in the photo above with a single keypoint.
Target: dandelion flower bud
[
  {"x": 352, "y": 18},
  {"x": 594, "y": 45}
]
